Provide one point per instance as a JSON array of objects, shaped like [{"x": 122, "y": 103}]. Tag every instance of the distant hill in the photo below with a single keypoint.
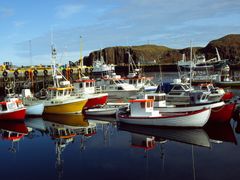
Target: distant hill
[{"x": 228, "y": 47}]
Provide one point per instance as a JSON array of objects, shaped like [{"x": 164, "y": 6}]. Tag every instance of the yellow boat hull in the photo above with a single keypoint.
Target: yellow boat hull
[{"x": 65, "y": 108}]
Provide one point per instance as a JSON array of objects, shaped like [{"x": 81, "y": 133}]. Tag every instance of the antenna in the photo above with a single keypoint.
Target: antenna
[
  {"x": 81, "y": 48},
  {"x": 30, "y": 51}
]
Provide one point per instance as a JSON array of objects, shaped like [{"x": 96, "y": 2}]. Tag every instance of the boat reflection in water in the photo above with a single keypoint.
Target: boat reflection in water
[
  {"x": 194, "y": 136},
  {"x": 220, "y": 132},
  {"x": 14, "y": 132},
  {"x": 63, "y": 129}
]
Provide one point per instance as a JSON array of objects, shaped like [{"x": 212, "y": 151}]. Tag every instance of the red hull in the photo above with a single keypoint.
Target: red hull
[
  {"x": 227, "y": 96},
  {"x": 14, "y": 115},
  {"x": 222, "y": 114},
  {"x": 96, "y": 101}
]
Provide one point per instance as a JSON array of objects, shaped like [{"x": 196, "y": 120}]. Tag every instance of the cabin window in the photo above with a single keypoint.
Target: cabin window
[
  {"x": 149, "y": 104},
  {"x": 150, "y": 97},
  {"x": 130, "y": 81},
  {"x": 87, "y": 84},
  {"x": 120, "y": 88},
  {"x": 80, "y": 85},
  {"x": 134, "y": 81},
  {"x": 177, "y": 88},
  {"x": 159, "y": 98},
  {"x": 139, "y": 81},
  {"x": 142, "y": 104},
  {"x": 3, "y": 107}
]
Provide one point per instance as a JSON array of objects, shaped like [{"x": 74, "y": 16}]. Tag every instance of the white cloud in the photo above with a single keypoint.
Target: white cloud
[{"x": 65, "y": 11}]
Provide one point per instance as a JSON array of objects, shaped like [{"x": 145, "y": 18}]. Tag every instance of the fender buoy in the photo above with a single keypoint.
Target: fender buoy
[
  {"x": 5, "y": 79},
  {"x": 35, "y": 72},
  {"x": 16, "y": 73},
  {"x": 5, "y": 73},
  {"x": 45, "y": 72}
]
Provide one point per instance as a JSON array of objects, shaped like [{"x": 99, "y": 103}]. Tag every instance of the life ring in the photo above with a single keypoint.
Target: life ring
[
  {"x": 35, "y": 72},
  {"x": 16, "y": 73},
  {"x": 45, "y": 72},
  {"x": 5, "y": 79},
  {"x": 26, "y": 74},
  {"x": 5, "y": 73}
]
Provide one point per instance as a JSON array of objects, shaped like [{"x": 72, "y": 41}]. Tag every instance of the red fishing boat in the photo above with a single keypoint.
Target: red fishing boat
[
  {"x": 12, "y": 109},
  {"x": 86, "y": 87},
  {"x": 223, "y": 113}
]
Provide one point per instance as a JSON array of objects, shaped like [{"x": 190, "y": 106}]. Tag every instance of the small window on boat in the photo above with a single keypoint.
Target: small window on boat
[
  {"x": 87, "y": 84},
  {"x": 142, "y": 104},
  {"x": 134, "y": 81},
  {"x": 130, "y": 81},
  {"x": 150, "y": 97},
  {"x": 80, "y": 85},
  {"x": 120, "y": 88},
  {"x": 177, "y": 88},
  {"x": 139, "y": 81}
]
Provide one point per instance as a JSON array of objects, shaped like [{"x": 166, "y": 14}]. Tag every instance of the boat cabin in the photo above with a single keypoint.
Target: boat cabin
[
  {"x": 142, "y": 108},
  {"x": 158, "y": 98},
  {"x": 84, "y": 85},
  {"x": 64, "y": 89}
]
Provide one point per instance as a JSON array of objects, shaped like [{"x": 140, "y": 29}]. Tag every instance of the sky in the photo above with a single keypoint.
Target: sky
[{"x": 28, "y": 28}]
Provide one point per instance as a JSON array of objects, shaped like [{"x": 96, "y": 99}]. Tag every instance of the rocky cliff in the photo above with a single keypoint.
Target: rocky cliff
[{"x": 228, "y": 47}]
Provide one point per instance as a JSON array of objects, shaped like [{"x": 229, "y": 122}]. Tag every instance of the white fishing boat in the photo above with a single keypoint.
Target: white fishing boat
[
  {"x": 136, "y": 77},
  {"x": 86, "y": 87},
  {"x": 184, "y": 94},
  {"x": 34, "y": 106},
  {"x": 143, "y": 113},
  {"x": 108, "y": 81},
  {"x": 108, "y": 110}
]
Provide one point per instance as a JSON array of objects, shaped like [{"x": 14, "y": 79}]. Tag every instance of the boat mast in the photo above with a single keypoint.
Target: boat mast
[{"x": 191, "y": 61}]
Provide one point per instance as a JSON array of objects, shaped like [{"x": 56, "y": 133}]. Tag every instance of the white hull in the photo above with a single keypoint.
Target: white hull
[
  {"x": 196, "y": 119},
  {"x": 35, "y": 109},
  {"x": 170, "y": 109},
  {"x": 101, "y": 111}
]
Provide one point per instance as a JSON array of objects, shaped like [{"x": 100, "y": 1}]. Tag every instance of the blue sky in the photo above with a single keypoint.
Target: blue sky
[{"x": 28, "y": 24}]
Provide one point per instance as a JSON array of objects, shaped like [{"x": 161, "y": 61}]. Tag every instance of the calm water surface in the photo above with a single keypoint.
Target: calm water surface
[{"x": 99, "y": 148}]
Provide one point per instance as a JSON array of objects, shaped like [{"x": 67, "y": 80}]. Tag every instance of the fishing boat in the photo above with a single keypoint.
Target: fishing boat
[
  {"x": 184, "y": 94},
  {"x": 136, "y": 77},
  {"x": 216, "y": 93},
  {"x": 34, "y": 106},
  {"x": 60, "y": 96},
  {"x": 142, "y": 113},
  {"x": 108, "y": 81},
  {"x": 110, "y": 109},
  {"x": 86, "y": 87},
  {"x": 12, "y": 109}
]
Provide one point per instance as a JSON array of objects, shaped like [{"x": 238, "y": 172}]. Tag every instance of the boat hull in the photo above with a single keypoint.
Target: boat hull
[
  {"x": 18, "y": 115},
  {"x": 194, "y": 119},
  {"x": 65, "y": 108},
  {"x": 222, "y": 114},
  {"x": 101, "y": 111},
  {"x": 35, "y": 110},
  {"x": 96, "y": 101}
]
